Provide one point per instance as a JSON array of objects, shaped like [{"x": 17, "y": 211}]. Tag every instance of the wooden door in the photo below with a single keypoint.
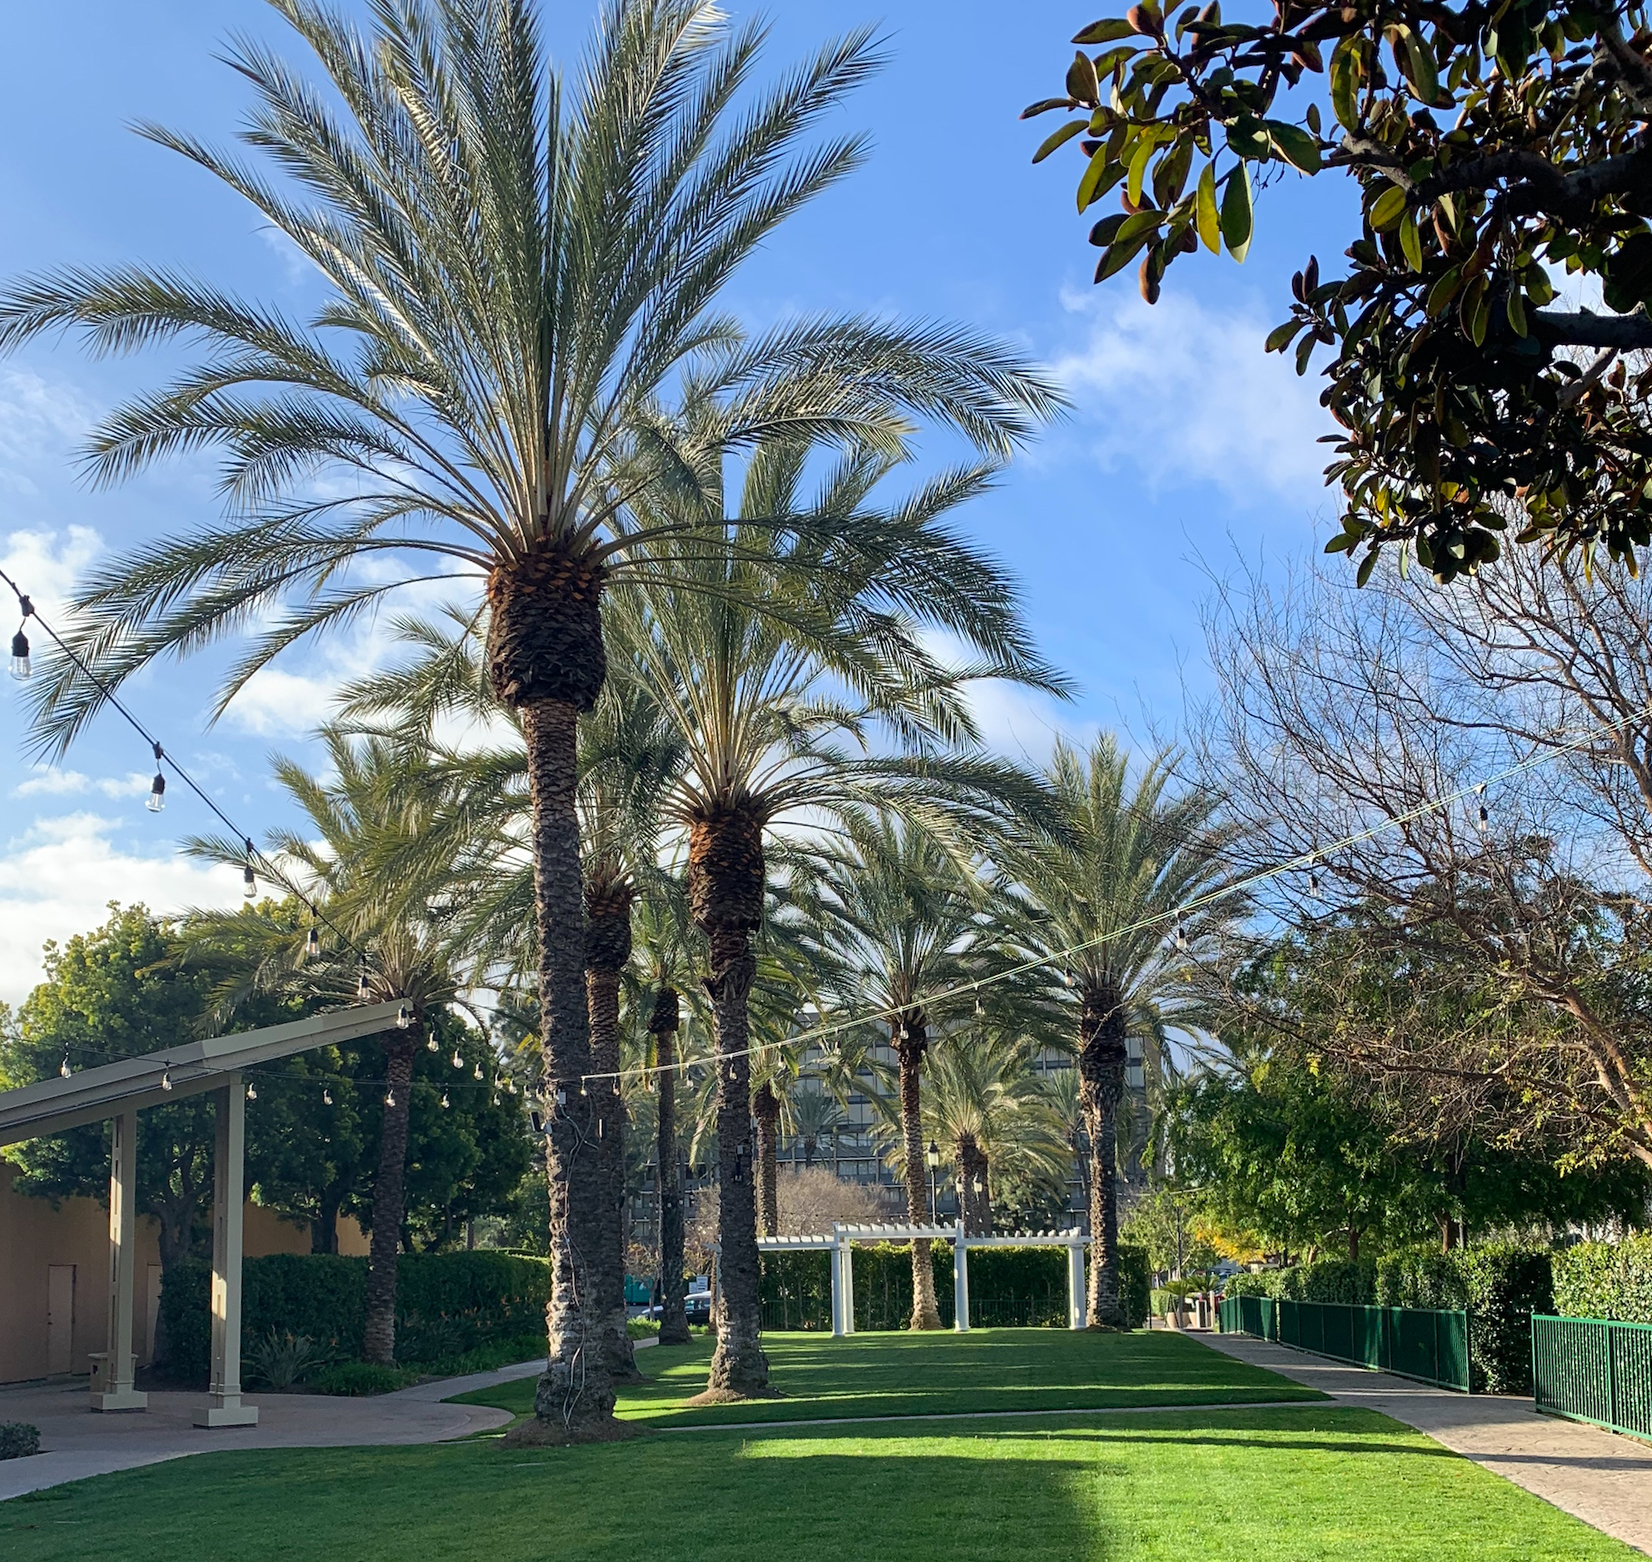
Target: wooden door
[{"x": 60, "y": 1318}]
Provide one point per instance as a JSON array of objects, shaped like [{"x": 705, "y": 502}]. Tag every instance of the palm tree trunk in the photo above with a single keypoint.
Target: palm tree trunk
[
  {"x": 673, "y": 1320},
  {"x": 738, "y": 1366},
  {"x": 765, "y": 1107},
  {"x": 575, "y": 1395},
  {"x": 972, "y": 1169},
  {"x": 810, "y": 1143},
  {"x": 1101, "y": 1061},
  {"x": 389, "y": 1198},
  {"x": 911, "y": 1044},
  {"x": 602, "y": 1004}
]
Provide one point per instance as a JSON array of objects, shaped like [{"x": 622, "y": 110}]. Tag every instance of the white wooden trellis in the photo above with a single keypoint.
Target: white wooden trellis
[{"x": 840, "y": 1245}]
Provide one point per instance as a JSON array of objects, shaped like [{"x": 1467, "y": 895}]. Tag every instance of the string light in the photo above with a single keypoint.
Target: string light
[
  {"x": 458, "y": 1062},
  {"x": 312, "y": 944},
  {"x": 63, "y": 1069},
  {"x": 444, "y": 1100},
  {"x": 478, "y": 1073},
  {"x": 390, "y": 1096},
  {"x": 249, "y": 881},
  {"x": 166, "y": 1079},
  {"x": 252, "y": 1092},
  {"x": 21, "y": 666},
  {"x": 431, "y": 1044},
  {"x": 1484, "y": 821},
  {"x": 156, "y": 800},
  {"x": 1313, "y": 884},
  {"x": 1180, "y": 935},
  {"x": 326, "y": 1097},
  {"x": 404, "y": 1016}
]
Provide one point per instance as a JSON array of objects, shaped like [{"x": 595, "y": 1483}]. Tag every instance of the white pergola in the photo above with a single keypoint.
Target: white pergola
[
  {"x": 839, "y": 1245},
  {"x": 122, "y": 1089}
]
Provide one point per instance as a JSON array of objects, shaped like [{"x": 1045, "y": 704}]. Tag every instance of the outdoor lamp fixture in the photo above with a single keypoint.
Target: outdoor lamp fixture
[
  {"x": 326, "y": 1097},
  {"x": 1180, "y": 934},
  {"x": 312, "y": 943},
  {"x": 404, "y": 1016},
  {"x": 362, "y": 991},
  {"x": 156, "y": 800},
  {"x": 63, "y": 1069},
  {"x": 431, "y": 1044},
  {"x": 390, "y": 1096},
  {"x": 21, "y": 667},
  {"x": 933, "y": 1155},
  {"x": 252, "y": 1092},
  {"x": 166, "y": 1079},
  {"x": 444, "y": 1100},
  {"x": 249, "y": 884}
]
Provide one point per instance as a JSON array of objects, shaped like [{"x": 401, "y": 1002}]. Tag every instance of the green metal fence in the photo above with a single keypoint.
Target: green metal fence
[
  {"x": 1415, "y": 1342},
  {"x": 1594, "y": 1369}
]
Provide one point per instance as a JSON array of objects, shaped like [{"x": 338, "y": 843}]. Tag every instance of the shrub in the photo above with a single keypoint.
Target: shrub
[
  {"x": 1605, "y": 1280},
  {"x": 1264, "y": 1282},
  {"x": 1136, "y": 1280},
  {"x": 355, "y": 1379},
  {"x": 18, "y": 1439},
  {"x": 281, "y": 1360},
  {"x": 642, "y": 1328}
]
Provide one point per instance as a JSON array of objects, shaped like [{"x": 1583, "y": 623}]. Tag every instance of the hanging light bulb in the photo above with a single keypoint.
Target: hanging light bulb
[
  {"x": 249, "y": 883},
  {"x": 1066, "y": 978},
  {"x": 458, "y": 1062},
  {"x": 326, "y": 1097},
  {"x": 478, "y": 1073},
  {"x": 252, "y": 1092},
  {"x": 1485, "y": 818},
  {"x": 63, "y": 1069},
  {"x": 980, "y": 1008},
  {"x": 1180, "y": 934},
  {"x": 496, "y": 1098},
  {"x": 166, "y": 1079},
  {"x": 444, "y": 1100},
  {"x": 390, "y": 1096},
  {"x": 156, "y": 800},
  {"x": 312, "y": 944},
  {"x": 510, "y": 1086},
  {"x": 431, "y": 1044},
  {"x": 363, "y": 992},
  {"x": 1313, "y": 884},
  {"x": 21, "y": 667},
  {"x": 404, "y": 1016}
]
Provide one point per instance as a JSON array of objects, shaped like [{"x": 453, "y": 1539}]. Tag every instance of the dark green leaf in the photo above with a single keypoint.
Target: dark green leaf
[{"x": 1060, "y": 138}]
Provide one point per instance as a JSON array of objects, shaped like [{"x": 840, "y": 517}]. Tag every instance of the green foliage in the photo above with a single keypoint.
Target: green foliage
[
  {"x": 447, "y": 1305},
  {"x": 1135, "y": 1280},
  {"x": 18, "y": 1439},
  {"x": 280, "y": 1360},
  {"x": 1605, "y": 1280},
  {"x": 357, "y": 1379},
  {"x": 1491, "y": 146}
]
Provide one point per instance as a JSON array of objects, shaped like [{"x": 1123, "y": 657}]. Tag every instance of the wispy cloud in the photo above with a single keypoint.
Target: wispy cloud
[
  {"x": 52, "y": 782},
  {"x": 1182, "y": 393},
  {"x": 40, "y": 422}
]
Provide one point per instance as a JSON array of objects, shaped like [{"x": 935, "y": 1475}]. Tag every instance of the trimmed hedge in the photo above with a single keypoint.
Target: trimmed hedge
[
  {"x": 1605, "y": 1280},
  {"x": 1499, "y": 1285},
  {"x": 446, "y": 1304},
  {"x": 1007, "y": 1285},
  {"x": 18, "y": 1440}
]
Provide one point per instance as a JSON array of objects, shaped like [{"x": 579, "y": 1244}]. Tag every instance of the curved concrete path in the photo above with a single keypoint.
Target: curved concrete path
[
  {"x": 1600, "y": 1478},
  {"x": 79, "y": 1442}
]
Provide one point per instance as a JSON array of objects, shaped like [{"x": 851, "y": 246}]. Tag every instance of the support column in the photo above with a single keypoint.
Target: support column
[
  {"x": 960, "y": 1280},
  {"x": 837, "y": 1288},
  {"x": 1075, "y": 1285},
  {"x": 112, "y": 1373},
  {"x": 228, "y": 1178},
  {"x": 847, "y": 1257}
]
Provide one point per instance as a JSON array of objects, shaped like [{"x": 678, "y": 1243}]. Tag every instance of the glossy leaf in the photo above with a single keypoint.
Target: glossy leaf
[
  {"x": 1205, "y": 217},
  {"x": 1059, "y": 139},
  {"x": 1236, "y": 215}
]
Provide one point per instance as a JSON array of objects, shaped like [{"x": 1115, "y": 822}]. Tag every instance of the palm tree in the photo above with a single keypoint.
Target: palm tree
[
  {"x": 1105, "y": 896},
  {"x": 350, "y": 860},
  {"x": 907, "y": 925},
  {"x": 762, "y": 710},
  {"x": 519, "y": 278},
  {"x": 815, "y": 1115}
]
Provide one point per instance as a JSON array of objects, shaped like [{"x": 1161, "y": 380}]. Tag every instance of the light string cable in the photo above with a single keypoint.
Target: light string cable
[
  {"x": 1172, "y": 917},
  {"x": 271, "y": 871}
]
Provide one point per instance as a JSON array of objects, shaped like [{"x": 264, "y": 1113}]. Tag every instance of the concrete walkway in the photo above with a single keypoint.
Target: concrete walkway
[{"x": 1600, "y": 1478}]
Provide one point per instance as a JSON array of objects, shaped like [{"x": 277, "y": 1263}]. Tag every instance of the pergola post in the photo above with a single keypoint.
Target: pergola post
[
  {"x": 844, "y": 1255},
  {"x": 836, "y": 1252},
  {"x": 112, "y": 1385},
  {"x": 1075, "y": 1283},
  {"x": 228, "y": 1179},
  {"x": 960, "y": 1281}
]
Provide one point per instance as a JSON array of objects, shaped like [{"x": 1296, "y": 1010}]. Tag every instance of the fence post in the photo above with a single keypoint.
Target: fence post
[
  {"x": 1611, "y": 1376},
  {"x": 1537, "y": 1392}
]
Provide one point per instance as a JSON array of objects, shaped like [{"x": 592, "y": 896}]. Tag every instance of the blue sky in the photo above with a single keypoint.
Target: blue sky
[{"x": 1186, "y": 444}]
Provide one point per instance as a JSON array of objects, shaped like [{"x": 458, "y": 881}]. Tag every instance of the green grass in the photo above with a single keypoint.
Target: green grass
[
  {"x": 1304, "y": 1483},
  {"x": 925, "y": 1374}
]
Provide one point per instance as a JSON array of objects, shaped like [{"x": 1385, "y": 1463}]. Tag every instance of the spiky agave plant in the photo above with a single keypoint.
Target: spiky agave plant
[{"x": 518, "y": 276}]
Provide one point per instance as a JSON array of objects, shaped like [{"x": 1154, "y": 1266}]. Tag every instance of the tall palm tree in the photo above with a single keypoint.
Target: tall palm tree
[
  {"x": 1104, "y": 898},
  {"x": 520, "y": 276},
  {"x": 361, "y": 822},
  {"x": 815, "y": 1115},
  {"x": 777, "y": 720},
  {"x": 908, "y": 926}
]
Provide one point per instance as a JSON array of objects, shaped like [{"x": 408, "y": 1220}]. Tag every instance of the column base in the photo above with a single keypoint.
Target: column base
[
  {"x": 120, "y": 1399},
  {"x": 228, "y": 1414}
]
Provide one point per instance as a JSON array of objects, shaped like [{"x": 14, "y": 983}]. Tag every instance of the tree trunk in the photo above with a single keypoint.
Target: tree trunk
[
  {"x": 602, "y": 999},
  {"x": 726, "y": 881},
  {"x": 1101, "y": 1059},
  {"x": 1353, "y": 1243},
  {"x": 324, "y": 1228},
  {"x": 765, "y": 1108},
  {"x": 972, "y": 1169},
  {"x": 912, "y": 1041},
  {"x": 809, "y": 1146},
  {"x": 389, "y": 1197},
  {"x": 575, "y": 1395},
  {"x": 673, "y": 1321}
]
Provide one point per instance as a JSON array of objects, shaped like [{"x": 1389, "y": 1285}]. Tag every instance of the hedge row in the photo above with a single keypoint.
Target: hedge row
[
  {"x": 446, "y": 1304},
  {"x": 1605, "y": 1280},
  {"x": 1007, "y": 1285},
  {"x": 1499, "y": 1285}
]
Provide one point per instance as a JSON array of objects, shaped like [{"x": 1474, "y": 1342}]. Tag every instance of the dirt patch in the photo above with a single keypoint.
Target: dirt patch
[
  {"x": 534, "y": 1433},
  {"x": 727, "y": 1396}
]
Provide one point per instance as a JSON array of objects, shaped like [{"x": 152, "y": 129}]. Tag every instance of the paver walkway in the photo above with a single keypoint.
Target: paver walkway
[{"x": 1600, "y": 1478}]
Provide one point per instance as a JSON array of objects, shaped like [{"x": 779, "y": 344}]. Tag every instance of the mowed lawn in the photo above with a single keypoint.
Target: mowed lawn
[
  {"x": 940, "y": 1374},
  {"x": 1301, "y": 1482}
]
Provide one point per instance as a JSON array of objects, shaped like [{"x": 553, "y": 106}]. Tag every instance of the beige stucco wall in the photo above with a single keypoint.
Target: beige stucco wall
[{"x": 35, "y": 1237}]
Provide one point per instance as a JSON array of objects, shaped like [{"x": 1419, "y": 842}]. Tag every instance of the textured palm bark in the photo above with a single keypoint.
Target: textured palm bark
[
  {"x": 972, "y": 1170},
  {"x": 378, "y": 1343},
  {"x": 912, "y": 1041},
  {"x": 575, "y": 1395},
  {"x": 603, "y": 1006},
  {"x": 673, "y": 1318},
  {"x": 1101, "y": 1060},
  {"x": 726, "y": 880},
  {"x": 765, "y": 1108}
]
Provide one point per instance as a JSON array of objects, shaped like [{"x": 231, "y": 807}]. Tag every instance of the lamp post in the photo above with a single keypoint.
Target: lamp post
[{"x": 933, "y": 1156}]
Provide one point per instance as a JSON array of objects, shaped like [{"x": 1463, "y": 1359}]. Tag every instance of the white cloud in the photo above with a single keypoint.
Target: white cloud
[
  {"x": 1180, "y": 392},
  {"x": 57, "y": 879},
  {"x": 40, "y": 422},
  {"x": 46, "y": 564},
  {"x": 49, "y": 781}
]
